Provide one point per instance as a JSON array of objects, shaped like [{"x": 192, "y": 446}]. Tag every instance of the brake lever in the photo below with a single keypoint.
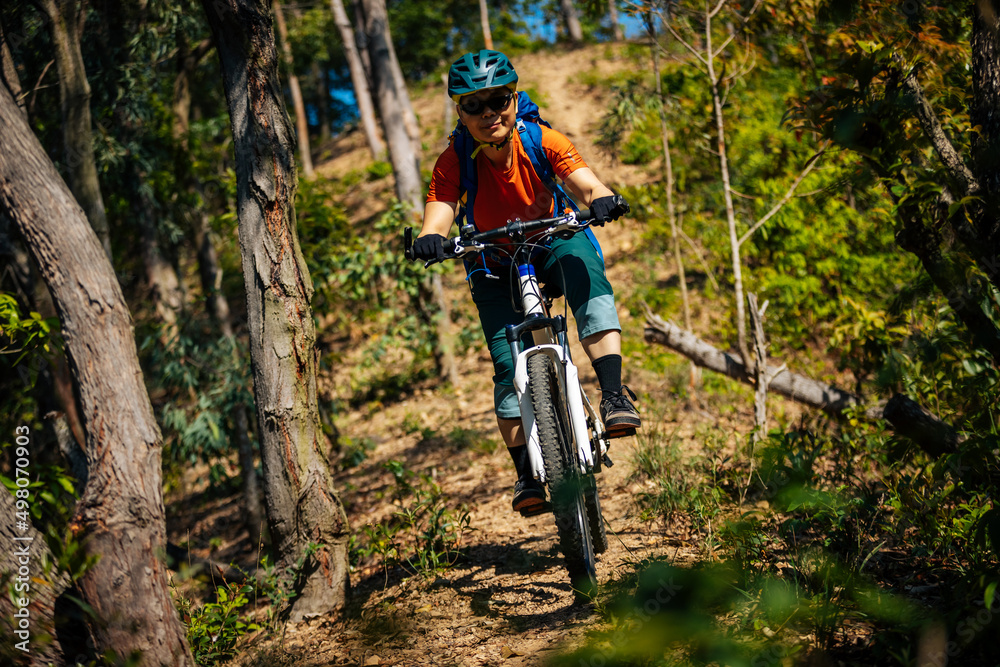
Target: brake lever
[{"x": 408, "y": 243}]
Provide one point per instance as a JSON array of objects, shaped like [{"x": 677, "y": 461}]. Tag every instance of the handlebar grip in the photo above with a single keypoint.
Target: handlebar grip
[{"x": 408, "y": 244}]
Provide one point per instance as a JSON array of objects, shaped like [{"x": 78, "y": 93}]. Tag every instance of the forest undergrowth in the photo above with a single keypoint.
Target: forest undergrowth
[{"x": 821, "y": 540}]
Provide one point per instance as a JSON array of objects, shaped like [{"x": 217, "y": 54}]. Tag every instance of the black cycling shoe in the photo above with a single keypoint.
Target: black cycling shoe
[
  {"x": 618, "y": 413},
  {"x": 529, "y": 496}
]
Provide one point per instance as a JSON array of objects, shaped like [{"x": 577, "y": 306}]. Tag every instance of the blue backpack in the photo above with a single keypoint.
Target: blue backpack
[{"x": 528, "y": 127}]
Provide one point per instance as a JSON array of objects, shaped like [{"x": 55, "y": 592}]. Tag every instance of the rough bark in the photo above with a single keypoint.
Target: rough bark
[
  {"x": 362, "y": 92},
  {"x": 572, "y": 21},
  {"x": 905, "y": 416},
  {"x": 484, "y": 21},
  {"x": 74, "y": 93},
  {"x": 23, "y": 567},
  {"x": 302, "y": 507},
  {"x": 210, "y": 273},
  {"x": 984, "y": 115},
  {"x": 301, "y": 124},
  {"x": 8, "y": 72},
  {"x": 120, "y": 515}
]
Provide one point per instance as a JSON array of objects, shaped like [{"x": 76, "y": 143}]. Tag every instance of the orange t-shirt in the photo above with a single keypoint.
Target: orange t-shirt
[{"x": 505, "y": 194}]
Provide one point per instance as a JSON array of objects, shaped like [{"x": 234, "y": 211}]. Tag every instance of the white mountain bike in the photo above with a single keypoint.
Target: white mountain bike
[{"x": 567, "y": 443}]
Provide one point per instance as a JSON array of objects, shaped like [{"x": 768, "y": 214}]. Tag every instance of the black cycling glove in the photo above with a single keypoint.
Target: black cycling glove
[
  {"x": 605, "y": 209},
  {"x": 429, "y": 247}
]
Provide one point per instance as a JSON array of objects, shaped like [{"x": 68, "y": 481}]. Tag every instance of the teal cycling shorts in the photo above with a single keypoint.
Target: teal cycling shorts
[{"x": 577, "y": 269}]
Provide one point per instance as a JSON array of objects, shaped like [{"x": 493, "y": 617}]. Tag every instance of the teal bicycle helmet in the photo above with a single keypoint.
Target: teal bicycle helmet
[{"x": 478, "y": 71}]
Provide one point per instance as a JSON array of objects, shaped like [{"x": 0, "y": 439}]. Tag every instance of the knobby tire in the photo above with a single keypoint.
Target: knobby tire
[
  {"x": 598, "y": 536},
  {"x": 566, "y": 486}
]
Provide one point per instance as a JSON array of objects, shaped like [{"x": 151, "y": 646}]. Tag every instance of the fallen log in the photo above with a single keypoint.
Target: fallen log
[{"x": 906, "y": 417}]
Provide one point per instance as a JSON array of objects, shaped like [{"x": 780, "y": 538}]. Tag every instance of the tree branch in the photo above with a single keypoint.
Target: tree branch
[
  {"x": 784, "y": 200},
  {"x": 906, "y": 417},
  {"x": 942, "y": 145}
]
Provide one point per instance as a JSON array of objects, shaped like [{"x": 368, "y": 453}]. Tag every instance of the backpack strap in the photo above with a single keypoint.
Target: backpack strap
[{"x": 531, "y": 139}]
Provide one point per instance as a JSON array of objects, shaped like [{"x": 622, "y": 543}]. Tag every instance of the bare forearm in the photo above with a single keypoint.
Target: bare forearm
[
  {"x": 438, "y": 218},
  {"x": 586, "y": 187}
]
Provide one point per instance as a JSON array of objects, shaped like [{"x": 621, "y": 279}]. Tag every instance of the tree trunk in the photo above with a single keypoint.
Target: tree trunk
[
  {"x": 319, "y": 73},
  {"x": 164, "y": 286},
  {"x": 301, "y": 124},
  {"x": 306, "y": 519},
  {"x": 362, "y": 92},
  {"x": 390, "y": 95},
  {"x": 391, "y": 106},
  {"x": 616, "y": 27},
  {"x": 484, "y": 20},
  {"x": 210, "y": 274},
  {"x": 761, "y": 377},
  {"x": 187, "y": 62},
  {"x": 361, "y": 37},
  {"x": 74, "y": 93},
  {"x": 905, "y": 416},
  {"x": 120, "y": 516},
  {"x": 572, "y": 19},
  {"x": 362, "y": 17},
  {"x": 792, "y": 385},
  {"x": 983, "y": 114},
  {"x": 449, "y": 110},
  {"x": 21, "y": 570},
  {"x": 409, "y": 115},
  {"x": 8, "y": 72},
  {"x": 668, "y": 170},
  {"x": 734, "y": 243},
  {"x": 218, "y": 307}
]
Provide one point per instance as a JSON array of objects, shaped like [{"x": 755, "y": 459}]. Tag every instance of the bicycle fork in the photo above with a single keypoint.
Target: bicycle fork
[{"x": 578, "y": 405}]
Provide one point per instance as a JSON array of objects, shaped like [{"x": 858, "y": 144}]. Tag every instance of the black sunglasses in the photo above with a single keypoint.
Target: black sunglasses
[{"x": 497, "y": 103}]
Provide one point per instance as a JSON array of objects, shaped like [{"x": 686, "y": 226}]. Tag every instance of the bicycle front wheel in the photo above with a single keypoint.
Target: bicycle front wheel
[{"x": 567, "y": 488}]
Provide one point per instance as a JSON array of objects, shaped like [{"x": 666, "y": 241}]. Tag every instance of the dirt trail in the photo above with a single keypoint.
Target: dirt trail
[{"x": 508, "y": 600}]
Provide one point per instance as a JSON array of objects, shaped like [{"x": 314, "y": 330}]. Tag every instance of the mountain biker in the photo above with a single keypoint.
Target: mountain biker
[{"x": 483, "y": 86}]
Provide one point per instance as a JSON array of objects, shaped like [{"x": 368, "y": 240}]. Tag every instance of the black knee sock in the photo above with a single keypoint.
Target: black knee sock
[
  {"x": 609, "y": 374},
  {"x": 521, "y": 461}
]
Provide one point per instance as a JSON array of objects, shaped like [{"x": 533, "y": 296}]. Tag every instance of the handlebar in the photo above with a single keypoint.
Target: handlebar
[{"x": 570, "y": 222}]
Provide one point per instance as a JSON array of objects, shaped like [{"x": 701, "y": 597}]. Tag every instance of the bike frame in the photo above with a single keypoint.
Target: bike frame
[
  {"x": 581, "y": 412},
  {"x": 549, "y": 336}
]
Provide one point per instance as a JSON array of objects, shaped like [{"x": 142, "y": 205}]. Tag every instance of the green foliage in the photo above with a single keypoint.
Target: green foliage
[
  {"x": 25, "y": 335},
  {"x": 640, "y": 149},
  {"x": 424, "y": 534},
  {"x": 378, "y": 170},
  {"x": 671, "y": 484},
  {"x": 202, "y": 382},
  {"x": 214, "y": 629}
]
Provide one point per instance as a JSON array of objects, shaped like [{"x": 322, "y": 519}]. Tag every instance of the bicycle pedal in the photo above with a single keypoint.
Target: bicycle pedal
[
  {"x": 624, "y": 433},
  {"x": 535, "y": 510},
  {"x": 608, "y": 463}
]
